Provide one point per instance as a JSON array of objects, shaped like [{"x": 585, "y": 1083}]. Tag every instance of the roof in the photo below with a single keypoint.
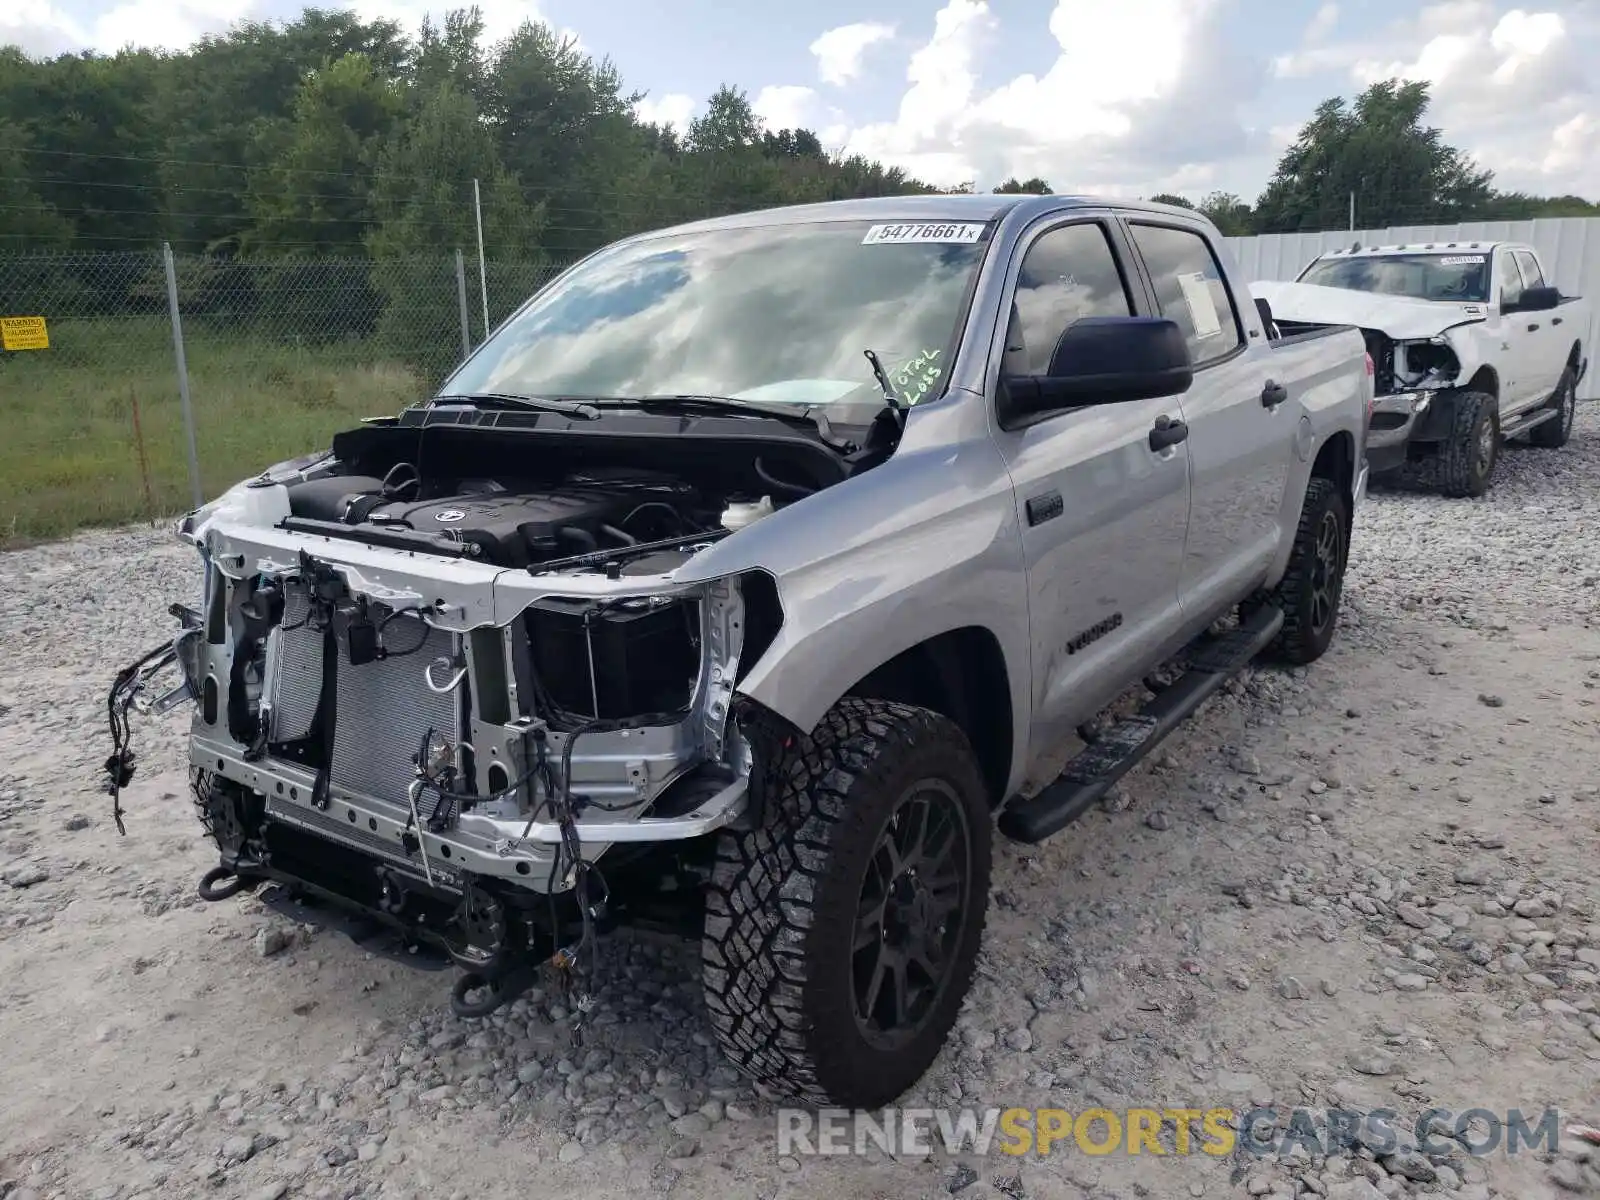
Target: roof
[
  {"x": 1482, "y": 245},
  {"x": 960, "y": 206}
]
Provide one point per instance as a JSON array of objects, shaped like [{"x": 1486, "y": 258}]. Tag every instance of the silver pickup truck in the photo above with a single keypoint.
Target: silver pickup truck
[{"x": 746, "y": 575}]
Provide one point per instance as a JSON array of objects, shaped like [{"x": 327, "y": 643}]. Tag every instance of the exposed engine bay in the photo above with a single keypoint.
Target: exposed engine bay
[
  {"x": 508, "y": 523},
  {"x": 438, "y": 676},
  {"x": 1399, "y": 365}
]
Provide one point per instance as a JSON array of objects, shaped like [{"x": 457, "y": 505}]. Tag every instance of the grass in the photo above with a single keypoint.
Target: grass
[{"x": 69, "y": 458}]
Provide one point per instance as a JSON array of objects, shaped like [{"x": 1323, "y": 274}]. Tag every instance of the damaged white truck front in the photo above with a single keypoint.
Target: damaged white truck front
[{"x": 1471, "y": 347}]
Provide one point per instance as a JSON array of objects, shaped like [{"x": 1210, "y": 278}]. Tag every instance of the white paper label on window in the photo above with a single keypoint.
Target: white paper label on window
[{"x": 1202, "y": 309}]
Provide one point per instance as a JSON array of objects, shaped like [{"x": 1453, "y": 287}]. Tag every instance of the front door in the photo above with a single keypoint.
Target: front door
[
  {"x": 1545, "y": 341},
  {"x": 1104, "y": 516},
  {"x": 1511, "y": 349}
]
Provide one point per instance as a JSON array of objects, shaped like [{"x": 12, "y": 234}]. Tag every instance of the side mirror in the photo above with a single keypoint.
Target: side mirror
[
  {"x": 1107, "y": 360},
  {"x": 1537, "y": 299}
]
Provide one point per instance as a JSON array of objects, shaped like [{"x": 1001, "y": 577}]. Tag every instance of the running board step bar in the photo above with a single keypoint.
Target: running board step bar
[
  {"x": 1531, "y": 421},
  {"x": 1096, "y": 769}
]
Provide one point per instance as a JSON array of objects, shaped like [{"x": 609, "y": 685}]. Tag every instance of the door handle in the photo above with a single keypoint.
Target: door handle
[
  {"x": 1556, "y": 320},
  {"x": 1273, "y": 394},
  {"x": 1532, "y": 327},
  {"x": 1167, "y": 433}
]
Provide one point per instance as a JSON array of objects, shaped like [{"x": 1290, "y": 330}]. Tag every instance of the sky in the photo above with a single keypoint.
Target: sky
[{"x": 1123, "y": 97}]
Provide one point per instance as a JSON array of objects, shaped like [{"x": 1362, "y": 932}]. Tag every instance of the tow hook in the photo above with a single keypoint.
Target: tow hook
[
  {"x": 221, "y": 883},
  {"x": 498, "y": 990}
]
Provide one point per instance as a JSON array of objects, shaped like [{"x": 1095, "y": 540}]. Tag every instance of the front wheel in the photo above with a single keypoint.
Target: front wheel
[
  {"x": 1467, "y": 460},
  {"x": 842, "y": 935}
]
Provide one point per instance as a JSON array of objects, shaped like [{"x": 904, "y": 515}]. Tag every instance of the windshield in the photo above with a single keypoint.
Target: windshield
[
  {"x": 777, "y": 313},
  {"x": 1451, "y": 276}
]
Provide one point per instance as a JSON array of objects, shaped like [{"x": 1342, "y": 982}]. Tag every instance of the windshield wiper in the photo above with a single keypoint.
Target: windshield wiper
[
  {"x": 569, "y": 408},
  {"x": 727, "y": 404},
  {"x": 882, "y": 375}
]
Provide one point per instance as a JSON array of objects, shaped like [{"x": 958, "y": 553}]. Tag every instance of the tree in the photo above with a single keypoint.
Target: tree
[
  {"x": 1399, "y": 171},
  {"x": 1169, "y": 198},
  {"x": 1026, "y": 187},
  {"x": 1231, "y": 215},
  {"x": 792, "y": 143},
  {"x": 422, "y": 187},
  {"x": 313, "y": 197},
  {"x": 27, "y": 218},
  {"x": 729, "y": 125}
]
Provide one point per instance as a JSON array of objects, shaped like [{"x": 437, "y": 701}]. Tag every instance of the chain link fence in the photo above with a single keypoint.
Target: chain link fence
[{"x": 276, "y": 355}]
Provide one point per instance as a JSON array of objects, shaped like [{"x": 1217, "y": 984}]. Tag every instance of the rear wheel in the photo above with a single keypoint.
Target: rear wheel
[
  {"x": 842, "y": 935},
  {"x": 1313, "y": 585},
  {"x": 1553, "y": 434}
]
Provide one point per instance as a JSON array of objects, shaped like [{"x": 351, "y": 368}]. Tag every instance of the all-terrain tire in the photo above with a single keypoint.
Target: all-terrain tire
[
  {"x": 1467, "y": 459},
  {"x": 1553, "y": 434},
  {"x": 780, "y": 954},
  {"x": 1311, "y": 588}
]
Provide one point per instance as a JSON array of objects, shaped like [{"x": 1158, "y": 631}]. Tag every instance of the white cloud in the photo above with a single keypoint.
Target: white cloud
[
  {"x": 1509, "y": 86},
  {"x": 1088, "y": 121},
  {"x": 841, "y": 52},
  {"x": 1512, "y": 89},
  {"x": 942, "y": 74},
  {"x": 41, "y": 28},
  {"x": 674, "y": 109},
  {"x": 501, "y": 18},
  {"x": 785, "y": 106},
  {"x": 1572, "y": 146},
  {"x": 1322, "y": 24}
]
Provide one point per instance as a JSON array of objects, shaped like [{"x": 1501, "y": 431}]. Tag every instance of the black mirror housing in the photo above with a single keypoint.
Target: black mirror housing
[
  {"x": 1107, "y": 360},
  {"x": 1538, "y": 299}
]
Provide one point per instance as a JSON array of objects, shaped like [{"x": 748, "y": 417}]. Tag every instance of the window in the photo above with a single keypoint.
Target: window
[
  {"x": 1510, "y": 280},
  {"x": 1190, "y": 289},
  {"x": 1068, "y": 273},
  {"x": 1532, "y": 276},
  {"x": 773, "y": 313}
]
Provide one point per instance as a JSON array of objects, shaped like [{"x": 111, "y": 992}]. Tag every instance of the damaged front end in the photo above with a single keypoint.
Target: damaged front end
[
  {"x": 445, "y": 702},
  {"x": 1408, "y": 375}
]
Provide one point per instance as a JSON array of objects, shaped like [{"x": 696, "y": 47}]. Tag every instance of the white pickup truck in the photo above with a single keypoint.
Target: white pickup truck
[{"x": 1470, "y": 344}]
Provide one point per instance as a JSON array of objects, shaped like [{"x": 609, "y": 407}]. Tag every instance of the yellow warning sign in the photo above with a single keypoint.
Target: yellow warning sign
[{"x": 24, "y": 333}]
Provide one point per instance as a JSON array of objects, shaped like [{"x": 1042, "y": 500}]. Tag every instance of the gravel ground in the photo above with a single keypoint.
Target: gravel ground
[{"x": 1367, "y": 884}]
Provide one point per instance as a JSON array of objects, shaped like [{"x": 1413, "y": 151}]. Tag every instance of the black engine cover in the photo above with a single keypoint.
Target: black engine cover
[
  {"x": 495, "y": 521},
  {"x": 510, "y": 530}
]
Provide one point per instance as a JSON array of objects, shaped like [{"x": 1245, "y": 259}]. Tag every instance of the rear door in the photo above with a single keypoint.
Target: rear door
[
  {"x": 1242, "y": 420},
  {"x": 1103, "y": 515}
]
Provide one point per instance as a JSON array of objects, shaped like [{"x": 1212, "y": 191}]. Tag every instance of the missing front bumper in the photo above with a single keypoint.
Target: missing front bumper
[
  {"x": 513, "y": 849},
  {"x": 1394, "y": 420}
]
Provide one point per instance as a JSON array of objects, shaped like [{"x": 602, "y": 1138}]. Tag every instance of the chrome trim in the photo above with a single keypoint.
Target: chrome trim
[{"x": 716, "y": 813}]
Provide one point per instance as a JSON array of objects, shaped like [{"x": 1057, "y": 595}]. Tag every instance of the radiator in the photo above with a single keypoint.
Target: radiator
[
  {"x": 296, "y": 672},
  {"x": 382, "y": 709}
]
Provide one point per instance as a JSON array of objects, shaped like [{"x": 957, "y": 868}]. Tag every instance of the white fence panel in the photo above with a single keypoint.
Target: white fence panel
[{"x": 1569, "y": 248}]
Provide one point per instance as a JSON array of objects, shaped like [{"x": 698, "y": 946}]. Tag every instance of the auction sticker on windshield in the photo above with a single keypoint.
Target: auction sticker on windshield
[{"x": 961, "y": 233}]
